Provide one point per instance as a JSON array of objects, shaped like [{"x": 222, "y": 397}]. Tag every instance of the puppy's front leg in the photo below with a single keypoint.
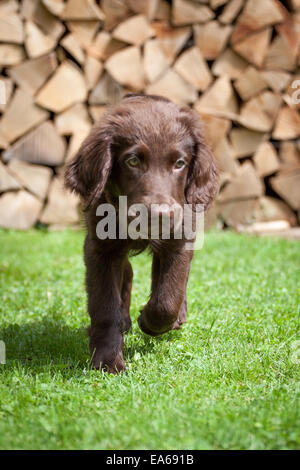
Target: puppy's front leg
[
  {"x": 103, "y": 282},
  {"x": 126, "y": 295},
  {"x": 169, "y": 278}
]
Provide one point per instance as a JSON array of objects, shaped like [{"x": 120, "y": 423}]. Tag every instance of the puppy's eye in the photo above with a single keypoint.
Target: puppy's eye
[
  {"x": 133, "y": 161},
  {"x": 179, "y": 164}
]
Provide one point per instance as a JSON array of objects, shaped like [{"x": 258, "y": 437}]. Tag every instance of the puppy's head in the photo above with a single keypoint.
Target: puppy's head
[{"x": 149, "y": 150}]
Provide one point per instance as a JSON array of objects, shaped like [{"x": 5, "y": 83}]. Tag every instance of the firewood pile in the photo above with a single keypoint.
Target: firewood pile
[{"x": 236, "y": 62}]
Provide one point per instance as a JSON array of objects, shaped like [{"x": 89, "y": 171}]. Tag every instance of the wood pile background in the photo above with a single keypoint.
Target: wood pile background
[{"x": 234, "y": 61}]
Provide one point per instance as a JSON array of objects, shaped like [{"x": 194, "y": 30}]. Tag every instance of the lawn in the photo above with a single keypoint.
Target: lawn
[{"x": 228, "y": 380}]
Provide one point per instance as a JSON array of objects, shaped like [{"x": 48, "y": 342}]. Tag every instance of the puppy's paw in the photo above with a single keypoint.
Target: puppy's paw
[
  {"x": 103, "y": 361},
  {"x": 145, "y": 329},
  {"x": 154, "y": 324},
  {"x": 177, "y": 325}
]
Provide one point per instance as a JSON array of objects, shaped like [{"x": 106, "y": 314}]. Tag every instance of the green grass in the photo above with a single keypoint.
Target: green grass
[{"x": 227, "y": 380}]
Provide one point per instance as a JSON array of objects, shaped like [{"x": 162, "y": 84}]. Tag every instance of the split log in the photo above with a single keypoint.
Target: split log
[
  {"x": 82, "y": 10},
  {"x": 7, "y": 181},
  {"x": 84, "y": 31},
  {"x": 62, "y": 206},
  {"x": 72, "y": 120},
  {"x": 193, "y": 68},
  {"x": 115, "y": 12},
  {"x": 211, "y": 218},
  {"x": 171, "y": 40},
  {"x": 75, "y": 142},
  {"x": 24, "y": 210},
  {"x": 250, "y": 83},
  {"x": 126, "y": 67},
  {"x": 55, "y": 7},
  {"x": 279, "y": 55},
  {"x": 231, "y": 11},
  {"x": 107, "y": 91},
  {"x": 215, "y": 129},
  {"x": 146, "y": 7},
  {"x": 245, "y": 142},
  {"x": 276, "y": 79},
  {"x": 289, "y": 234},
  {"x": 36, "y": 12},
  {"x": 57, "y": 94},
  {"x": 274, "y": 209},
  {"x": 219, "y": 99},
  {"x": 72, "y": 45},
  {"x": 173, "y": 86},
  {"x": 225, "y": 156},
  {"x": 13, "y": 124},
  {"x": 35, "y": 178},
  {"x": 289, "y": 30},
  {"x": 8, "y": 7},
  {"x": 36, "y": 42},
  {"x": 11, "y": 29},
  {"x": 244, "y": 185},
  {"x": 289, "y": 156},
  {"x": 104, "y": 46},
  {"x": 267, "y": 228},
  {"x": 266, "y": 160},
  {"x": 93, "y": 69},
  {"x": 254, "y": 47},
  {"x": 229, "y": 63},
  {"x": 287, "y": 186},
  {"x": 287, "y": 124},
  {"x": 134, "y": 30},
  {"x": 32, "y": 74},
  {"x": 155, "y": 60},
  {"x": 42, "y": 146},
  {"x": 237, "y": 213},
  {"x": 188, "y": 12},
  {"x": 260, "y": 112},
  {"x": 11, "y": 54},
  {"x": 256, "y": 15},
  {"x": 211, "y": 38}
]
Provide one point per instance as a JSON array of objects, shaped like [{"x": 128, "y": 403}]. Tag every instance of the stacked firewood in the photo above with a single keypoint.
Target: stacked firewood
[{"x": 236, "y": 62}]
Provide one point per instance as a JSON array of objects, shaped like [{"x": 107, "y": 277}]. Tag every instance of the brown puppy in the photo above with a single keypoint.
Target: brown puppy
[{"x": 153, "y": 152}]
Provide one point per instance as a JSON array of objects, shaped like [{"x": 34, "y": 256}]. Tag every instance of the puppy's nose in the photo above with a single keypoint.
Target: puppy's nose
[
  {"x": 166, "y": 218},
  {"x": 166, "y": 209}
]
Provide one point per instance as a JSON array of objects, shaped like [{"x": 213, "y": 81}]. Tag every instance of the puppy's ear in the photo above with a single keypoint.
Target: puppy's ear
[
  {"x": 203, "y": 182},
  {"x": 87, "y": 173}
]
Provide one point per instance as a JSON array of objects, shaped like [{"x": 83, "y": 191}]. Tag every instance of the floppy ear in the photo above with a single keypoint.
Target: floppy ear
[
  {"x": 203, "y": 182},
  {"x": 88, "y": 172}
]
